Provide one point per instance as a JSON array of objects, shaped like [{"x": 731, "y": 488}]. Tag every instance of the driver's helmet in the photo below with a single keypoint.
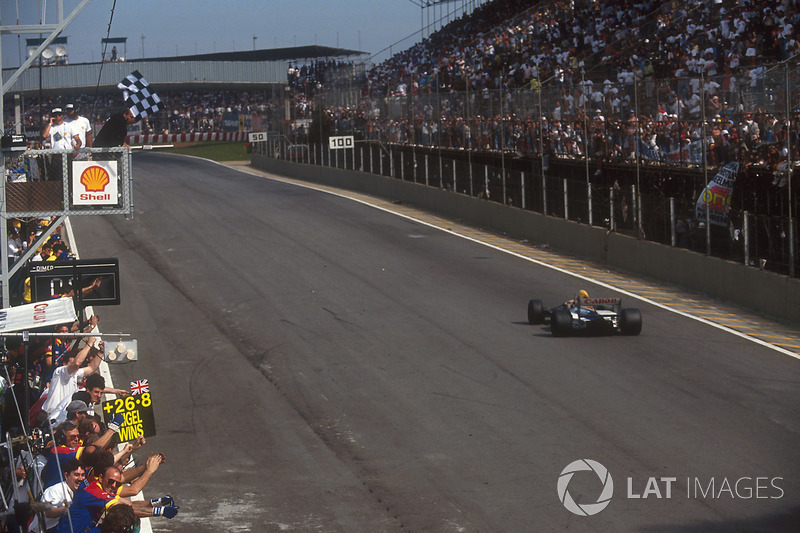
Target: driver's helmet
[{"x": 583, "y": 294}]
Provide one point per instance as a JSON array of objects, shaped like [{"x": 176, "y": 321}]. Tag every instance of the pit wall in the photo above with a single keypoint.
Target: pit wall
[{"x": 764, "y": 292}]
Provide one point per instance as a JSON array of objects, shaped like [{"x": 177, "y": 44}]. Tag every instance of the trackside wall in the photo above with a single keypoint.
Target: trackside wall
[{"x": 761, "y": 291}]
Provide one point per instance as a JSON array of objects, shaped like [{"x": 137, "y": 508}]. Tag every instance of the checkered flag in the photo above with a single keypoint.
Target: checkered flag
[{"x": 138, "y": 96}]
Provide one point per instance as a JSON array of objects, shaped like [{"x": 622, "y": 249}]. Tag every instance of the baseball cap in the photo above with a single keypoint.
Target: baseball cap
[
  {"x": 77, "y": 406},
  {"x": 57, "y": 110},
  {"x": 69, "y": 106}
]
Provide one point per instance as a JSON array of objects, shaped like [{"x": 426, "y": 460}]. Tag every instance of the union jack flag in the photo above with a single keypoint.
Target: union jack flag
[{"x": 140, "y": 386}]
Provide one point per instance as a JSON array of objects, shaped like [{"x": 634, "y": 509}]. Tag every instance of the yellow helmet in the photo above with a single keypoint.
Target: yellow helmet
[{"x": 583, "y": 294}]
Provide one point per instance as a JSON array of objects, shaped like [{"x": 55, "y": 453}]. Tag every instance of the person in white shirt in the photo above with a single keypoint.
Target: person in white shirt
[
  {"x": 65, "y": 380},
  {"x": 79, "y": 124},
  {"x": 59, "y": 133},
  {"x": 59, "y": 496}
]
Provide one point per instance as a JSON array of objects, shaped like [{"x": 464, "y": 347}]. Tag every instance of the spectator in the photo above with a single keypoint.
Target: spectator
[
  {"x": 59, "y": 496},
  {"x": 120, "y": 519},
  {"x": 96, "y": 387},
  {"x": 67, "y": 446},
  {"x": 60, "y": 135},
  {"x": 66, "y": 378},
  {"x": 77, "y": 411},
  {"x": 89, "y": 504},
  {"x": 79, "y": 125}
]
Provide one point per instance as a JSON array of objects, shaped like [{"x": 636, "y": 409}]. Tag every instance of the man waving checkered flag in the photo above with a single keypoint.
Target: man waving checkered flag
[{"x": 138, "y": 96}]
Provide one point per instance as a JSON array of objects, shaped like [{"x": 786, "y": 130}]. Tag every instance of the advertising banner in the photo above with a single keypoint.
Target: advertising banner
[
  {"x": 717, "y": 195},
  {"x": 30, "y": 316}
]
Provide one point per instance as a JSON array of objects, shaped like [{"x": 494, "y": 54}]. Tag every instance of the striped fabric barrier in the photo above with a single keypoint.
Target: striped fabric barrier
[{"x": 231, "y": 136}]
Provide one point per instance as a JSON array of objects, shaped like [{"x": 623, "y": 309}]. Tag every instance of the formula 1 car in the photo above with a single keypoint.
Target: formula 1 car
[{"x": 587, "y": 315}]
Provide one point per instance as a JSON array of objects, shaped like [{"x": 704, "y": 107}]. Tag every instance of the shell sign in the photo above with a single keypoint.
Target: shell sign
[{"x": 94, "y": 183}]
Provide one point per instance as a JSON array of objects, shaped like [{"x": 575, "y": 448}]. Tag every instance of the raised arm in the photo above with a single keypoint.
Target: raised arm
[{"x": 77, "y": 361}]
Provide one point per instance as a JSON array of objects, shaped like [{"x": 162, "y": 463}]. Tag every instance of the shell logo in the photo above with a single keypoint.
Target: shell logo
[{"x": 95, "y": 179}]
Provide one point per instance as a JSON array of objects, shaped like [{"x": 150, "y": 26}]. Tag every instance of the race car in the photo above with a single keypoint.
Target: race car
[{"x": 587, "y": 315}]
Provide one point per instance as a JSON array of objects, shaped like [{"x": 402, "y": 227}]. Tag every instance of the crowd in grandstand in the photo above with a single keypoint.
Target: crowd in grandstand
[
  {"x": 614, "y": 80},
  {"x": 697, "y": 62}
]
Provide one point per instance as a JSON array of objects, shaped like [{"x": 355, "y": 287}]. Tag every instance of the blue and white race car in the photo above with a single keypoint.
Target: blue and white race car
[{"x": 587, "y": 315}]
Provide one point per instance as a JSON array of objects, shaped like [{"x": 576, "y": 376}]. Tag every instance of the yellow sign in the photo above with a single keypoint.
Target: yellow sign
[{"x": 137, "y": 414}]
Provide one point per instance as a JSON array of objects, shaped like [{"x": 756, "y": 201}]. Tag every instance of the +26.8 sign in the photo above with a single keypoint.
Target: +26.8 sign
[
  {"x": 137, "y": 414},
  {"x": 342, "y": 141}
]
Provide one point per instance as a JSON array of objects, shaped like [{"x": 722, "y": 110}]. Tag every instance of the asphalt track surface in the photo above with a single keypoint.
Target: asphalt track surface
[{"x": 318, "y": 364}]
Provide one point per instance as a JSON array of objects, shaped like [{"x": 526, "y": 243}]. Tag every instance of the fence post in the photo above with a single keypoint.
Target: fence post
[
  {"x": 611, "y": 221},
  {"x": 380, "y": 162},
  {"x": 486, "y": 180},
  {"x": 672, "y": 239},
  {"x": 391, "y": 163},
  {"x": 566, "y": 206},
  {"x": 522, "y": 188},
  {"x": 544, "y": 194},
  {"x": 455, "y": 189},
  {"x": 505, "y": 196},
  {"x": 471, "y": 186},
  {"x": 708, "y": 228},
  {"x": 370, "y": 160},
  {"x": 746, "y": 237},
  {"x": 589, "y": 199},
  {"x": 426, "y": 170},
  {"x": 403, "y": 166}
]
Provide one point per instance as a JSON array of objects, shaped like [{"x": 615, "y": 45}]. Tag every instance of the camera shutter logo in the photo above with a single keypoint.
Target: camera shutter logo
[{"x": 586, "y": 509}]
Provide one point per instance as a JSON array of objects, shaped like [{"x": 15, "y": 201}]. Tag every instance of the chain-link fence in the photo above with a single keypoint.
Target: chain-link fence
[{"x": 43, "y": 183}]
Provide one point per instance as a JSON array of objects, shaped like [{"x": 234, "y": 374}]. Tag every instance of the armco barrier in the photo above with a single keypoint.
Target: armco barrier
[{"x": 764, "y": 292}]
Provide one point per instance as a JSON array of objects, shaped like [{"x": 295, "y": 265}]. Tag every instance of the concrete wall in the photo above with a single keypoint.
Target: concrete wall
[{"x": 761, "y": 291}]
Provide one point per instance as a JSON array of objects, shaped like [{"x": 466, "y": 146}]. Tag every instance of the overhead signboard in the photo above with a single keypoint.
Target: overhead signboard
[{"x": 96, "y": 279}]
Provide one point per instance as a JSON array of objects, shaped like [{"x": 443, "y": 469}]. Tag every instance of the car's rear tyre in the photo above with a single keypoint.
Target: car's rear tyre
[
  {"x": 630, "y": 322},
  {"x": 560, "y": 322},
  {"x": 535, "y": 312}
]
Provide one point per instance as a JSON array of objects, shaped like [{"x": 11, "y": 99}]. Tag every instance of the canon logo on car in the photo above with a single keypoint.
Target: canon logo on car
[{"x": 601, "y": 301}]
